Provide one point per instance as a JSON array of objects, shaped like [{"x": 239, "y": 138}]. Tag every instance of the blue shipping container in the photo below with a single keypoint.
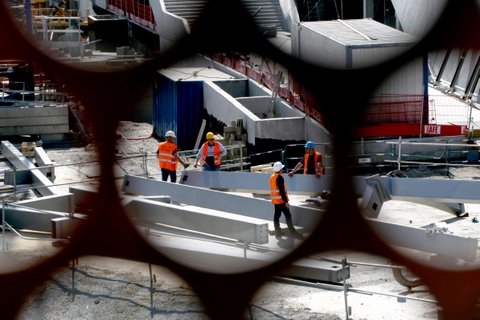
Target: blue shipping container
[{"x": 177, "y": 106}]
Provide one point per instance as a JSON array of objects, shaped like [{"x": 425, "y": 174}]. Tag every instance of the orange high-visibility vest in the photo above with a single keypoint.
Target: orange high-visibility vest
[
  {"x": 217, "y": 158},
  {"x": 315, "y": 160},
  {"x": 166, "y": 159},
  {"x": 276, "y": 197}
]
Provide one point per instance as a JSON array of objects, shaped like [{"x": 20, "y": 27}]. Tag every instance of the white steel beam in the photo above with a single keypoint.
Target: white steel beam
[
  {"x": 46, "y": 164},
  {"x": 412, "y": 189},
  {"x": 304, "y": 217},
  {"x": 41, "y": 183},
  {"x": 228, "y": 225},
  {"x": 255, "y": 182},
  {"x": 61, "y": 202},
  {"x": 444, "y": 194},
  {"x": 421, "y": 239}
]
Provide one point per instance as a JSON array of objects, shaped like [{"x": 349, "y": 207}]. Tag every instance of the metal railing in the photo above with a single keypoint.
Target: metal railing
[{"x": 453, "y": 154}]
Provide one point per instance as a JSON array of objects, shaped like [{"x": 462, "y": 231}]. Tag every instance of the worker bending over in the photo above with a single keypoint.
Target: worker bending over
[
  {"x": 211, "y": 153},
  {"x": 168, "y": 156},
  {"x": 312, "y": 161},
  {"x": 279, "y": 197}
]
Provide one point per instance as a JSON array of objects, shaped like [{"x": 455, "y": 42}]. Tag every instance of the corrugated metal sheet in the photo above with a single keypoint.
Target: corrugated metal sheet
[{"x": 178, "y": 106}]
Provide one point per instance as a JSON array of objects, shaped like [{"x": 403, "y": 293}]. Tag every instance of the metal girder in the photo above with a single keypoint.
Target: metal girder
[
  {"x": 441, "y": 190},
  {"x": 374, "y": 196},
  {"x": 444, "y": 194},
  {"x": 41, "y": 183},
  {"x": 424, "y": 240},
  {"x": 31, "y": 219},
  {"x": 255, "y": 182},
  {"x": 304, "y": 217},
  {"x": 44, "y": 161},
  {"x": 60, "y": 202},
  {"x": 318, "y": 270},
  {"x": 47, "y": 214},
  {"x": 223, "y": 224}
]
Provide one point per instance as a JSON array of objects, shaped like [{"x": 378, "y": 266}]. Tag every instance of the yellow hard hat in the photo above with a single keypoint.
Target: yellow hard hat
[{"x": 210, "y": 135}]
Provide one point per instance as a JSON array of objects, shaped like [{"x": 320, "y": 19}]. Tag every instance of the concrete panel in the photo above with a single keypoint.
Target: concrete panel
[
  {"x": 33, "y": 112},
  {"x": 47, "y": 129},
  {"x": 281, "y": 128},
  {"x": 33, "y": 121}
]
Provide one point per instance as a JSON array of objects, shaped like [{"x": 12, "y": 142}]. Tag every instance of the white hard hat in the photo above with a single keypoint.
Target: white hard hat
[
  {"x": 277, "y": 166},
  {"x": 170, "y": 133}
]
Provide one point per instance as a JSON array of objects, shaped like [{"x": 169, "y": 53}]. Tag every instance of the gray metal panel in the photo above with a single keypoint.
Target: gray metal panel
[
  {"x": 15, "y": 112},
  {"x": 221, "y": 224},
  {"x": 83, "y": 197},
  {"x": 63, "y": 228},
  {"x": 17, "y": 177},
  {"x": 418, "y": 239},
  {"x": 304, "y": 217}
]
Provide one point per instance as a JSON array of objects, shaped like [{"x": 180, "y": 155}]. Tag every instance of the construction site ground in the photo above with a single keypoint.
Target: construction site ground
[{"x": 108, "y": 288}]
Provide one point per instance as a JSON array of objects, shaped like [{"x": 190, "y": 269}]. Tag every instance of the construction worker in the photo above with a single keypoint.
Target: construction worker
[
  {"x": 211, "y": 153},
  {"x": 279, "y": 198},
  {"x": 312, "y": 161},
  {"x": 168, "y": 156}
]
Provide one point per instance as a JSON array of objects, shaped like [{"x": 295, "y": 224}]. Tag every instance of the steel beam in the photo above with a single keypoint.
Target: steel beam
[
  {"x": 44, "y": 161},
  {"x": 31, "y": 219},
  {"x": 41, "y": 183},
  {"x": 61, "y": 203},
  {"x": 317, "y": 270},
  {"x": 255, "y": 182},
  {"x": 421, "y": 239},
  {"x": 228, "y": 225},
  {"x": 412, "y": 189},
  {"x": 444, "y": 194},
  {"x": 304, "y": 217}
]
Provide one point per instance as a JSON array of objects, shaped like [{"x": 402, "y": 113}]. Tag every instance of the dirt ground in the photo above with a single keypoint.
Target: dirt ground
[{"x": 106, "y": 288}]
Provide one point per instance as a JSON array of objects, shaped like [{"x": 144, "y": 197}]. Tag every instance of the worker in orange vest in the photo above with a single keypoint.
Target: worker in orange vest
[
  {"x": 168, "y": 156},
  {"x": 279, "y": 198},
  {"x": 312, "y": 162},
  {"x": 211, "y": 153}
]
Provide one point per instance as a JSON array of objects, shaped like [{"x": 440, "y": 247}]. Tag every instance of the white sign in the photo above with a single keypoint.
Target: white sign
[{"x": 432, "y": 129}]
